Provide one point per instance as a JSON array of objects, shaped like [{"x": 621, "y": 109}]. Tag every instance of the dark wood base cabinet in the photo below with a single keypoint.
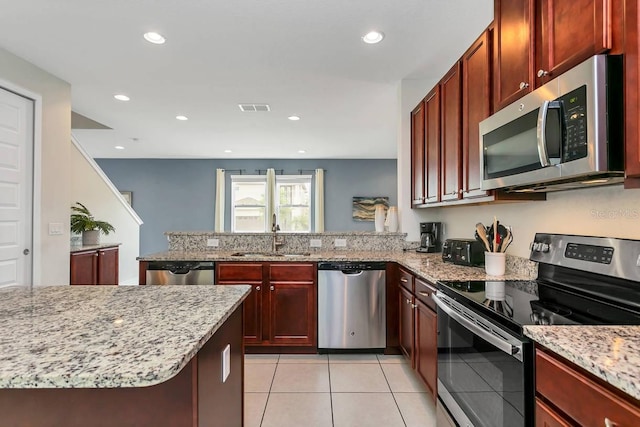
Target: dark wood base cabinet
[
  {"x": 95, "y": 267},
  {"x": 195, "y": 397}
]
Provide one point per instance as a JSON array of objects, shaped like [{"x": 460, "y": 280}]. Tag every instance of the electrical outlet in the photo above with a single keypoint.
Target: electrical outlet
[
  {"x": 56, "y": 228},
  {"x": 226, "y": 362},
  {"x": 340, "y": 243},
  {"x": 315, "y": 243},
  {"x": 213, "y": 242}
]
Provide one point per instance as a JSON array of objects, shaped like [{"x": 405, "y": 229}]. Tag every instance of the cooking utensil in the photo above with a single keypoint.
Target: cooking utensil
[
  {"x": 500, "y": 236},
  {"x": 507, "y": 240},
  {"x": 495, "y": 235},
  {"x": 481, "y": 234}
]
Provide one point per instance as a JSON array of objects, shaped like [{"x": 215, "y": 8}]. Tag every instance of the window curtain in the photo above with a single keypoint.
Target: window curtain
[
  {"x": 271, "y": 197},
  {"x": 219, "y": 211},
  {"x": 319, "y": 202}
]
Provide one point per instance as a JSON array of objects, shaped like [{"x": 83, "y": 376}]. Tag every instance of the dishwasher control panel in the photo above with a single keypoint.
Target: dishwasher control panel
[{"x": 352, "y": 265}]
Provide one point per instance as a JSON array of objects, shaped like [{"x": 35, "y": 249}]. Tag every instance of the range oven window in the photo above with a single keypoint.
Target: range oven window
[{"x": 490, "y": 387}]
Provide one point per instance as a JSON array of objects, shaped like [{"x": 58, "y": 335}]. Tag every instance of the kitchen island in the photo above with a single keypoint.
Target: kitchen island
[{"x": 126, "y": 356}]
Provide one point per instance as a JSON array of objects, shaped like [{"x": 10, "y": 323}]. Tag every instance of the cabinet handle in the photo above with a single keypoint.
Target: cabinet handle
[
  {"x": 524, "y": 85},
  {"x": 424, "y": 294},
  {"x": 257, "y": 288},
  {"x": 272, "y": 287},
  {"x": 95, "y": 254},
  {"x": 414, "y": 306},
  {"x": 609, "y": 423},
  {"x": 403, "y": 280},
  {"x": 408, "y": 301},
  {"x": 542, "y": 73}
]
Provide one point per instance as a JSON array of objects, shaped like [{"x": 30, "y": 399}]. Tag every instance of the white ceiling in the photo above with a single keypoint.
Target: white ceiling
[{"x": 302, "y": 57}]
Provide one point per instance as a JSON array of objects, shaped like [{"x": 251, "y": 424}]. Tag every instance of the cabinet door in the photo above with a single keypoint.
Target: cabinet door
[
  {"x": 432, "y": 146},
  {"x": 292, "y": 314},
  {"x": 427, "y": 347},
  {"x": 84, "y": 268},
  {"x": 546, "y": 417},
  {"x": 559, "y": 22},
  {"x": 451, "y": 148},
  {"x": 632, "y": 94},
  {"x": 417, "y": 155},
  {"x": 108, "y": 266},
  {"x": 407, "y": 320},
  {"x": 476, "y": 106},
  {"x": 513, "y": 51}
]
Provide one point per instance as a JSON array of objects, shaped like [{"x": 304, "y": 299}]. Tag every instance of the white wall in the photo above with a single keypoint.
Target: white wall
[
  {"x": 51, "y": 204},
  {"x": 98, "y": 194}
]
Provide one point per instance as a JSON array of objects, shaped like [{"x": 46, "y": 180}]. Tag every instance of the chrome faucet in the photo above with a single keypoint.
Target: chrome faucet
[{"x": 277, "y": 242}]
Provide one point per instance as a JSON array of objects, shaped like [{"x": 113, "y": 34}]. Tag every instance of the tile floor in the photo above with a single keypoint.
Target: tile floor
[{"x": 364, "y": 390}]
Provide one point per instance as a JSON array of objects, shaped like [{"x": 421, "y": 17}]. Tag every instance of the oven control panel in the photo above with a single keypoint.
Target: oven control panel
[{"x": 591, "y": 253}]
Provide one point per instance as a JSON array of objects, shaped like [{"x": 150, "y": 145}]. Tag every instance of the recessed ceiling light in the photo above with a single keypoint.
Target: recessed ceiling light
[
  {"x": 155, "y": 38},
  {"x": 302, "y": 151},
  {"x": 373, "y": 37},
  {"x": 294, "y": 118},
  {"x": 183, "y": 118},
  {"x": 227, "y": 151},
  {"x": 119, "y": 147},
  {"x": 121, "y": 97}
]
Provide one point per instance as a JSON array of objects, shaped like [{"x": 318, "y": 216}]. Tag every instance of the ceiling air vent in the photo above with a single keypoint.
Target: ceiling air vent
[{"x": 254, "y": 107}]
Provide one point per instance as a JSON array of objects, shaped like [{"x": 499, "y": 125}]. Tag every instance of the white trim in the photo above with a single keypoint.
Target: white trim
[
  {"x": 36, "y": 202},
  {"x": 107, "y": 181}
]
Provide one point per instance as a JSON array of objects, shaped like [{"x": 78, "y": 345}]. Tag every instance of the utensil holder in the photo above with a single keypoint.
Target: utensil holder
[{"x": 494, "y": 263}]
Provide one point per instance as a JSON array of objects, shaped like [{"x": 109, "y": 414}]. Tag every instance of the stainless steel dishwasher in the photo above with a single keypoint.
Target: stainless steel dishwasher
[
  {"x": 351, "y": 305},
  {"x": 180, "y": 273}
]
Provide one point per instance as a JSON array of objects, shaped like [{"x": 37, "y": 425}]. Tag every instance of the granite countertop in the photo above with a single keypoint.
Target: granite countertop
[
  {"x": 107, "y": 336},
  {"x": 611, "y": 353},
  {"x": 80, "y": 248},
  {"x": 428, "y": 266}
]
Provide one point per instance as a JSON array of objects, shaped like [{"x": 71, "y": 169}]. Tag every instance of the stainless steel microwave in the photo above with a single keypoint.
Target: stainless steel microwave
[{"x": 567, "y": 133}]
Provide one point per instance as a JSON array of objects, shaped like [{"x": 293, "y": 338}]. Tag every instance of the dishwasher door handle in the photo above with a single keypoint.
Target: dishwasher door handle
[{"x": 352, "y": 272}]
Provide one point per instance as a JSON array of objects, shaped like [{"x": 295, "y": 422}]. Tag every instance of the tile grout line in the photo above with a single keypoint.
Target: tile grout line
[
  {"x": 393, "y": 396},
  {"x": 264, "y": 411},
  {"x": 333, "y": 421}
]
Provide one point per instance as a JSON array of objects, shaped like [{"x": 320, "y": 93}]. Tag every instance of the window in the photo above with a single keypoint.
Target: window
[
  {"x": 293, "y": 203},
  {"x": 249, "y": 210}
]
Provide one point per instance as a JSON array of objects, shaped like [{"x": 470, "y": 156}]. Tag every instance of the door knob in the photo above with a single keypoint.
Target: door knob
[
  {"x": 257, "y": 288},
  {"x": 272, "y": 287},
  {"x": 524, "y": 85},
  {"x": 26, "y": 252},
  {"x": 542, "y": 73}
]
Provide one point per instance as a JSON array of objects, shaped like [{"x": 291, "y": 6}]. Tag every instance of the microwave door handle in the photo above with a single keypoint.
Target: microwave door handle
[{"x": 542, "y": 134}]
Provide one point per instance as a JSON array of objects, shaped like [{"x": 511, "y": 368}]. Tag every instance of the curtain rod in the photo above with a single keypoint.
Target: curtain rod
[{"x": 240, "y": 171}]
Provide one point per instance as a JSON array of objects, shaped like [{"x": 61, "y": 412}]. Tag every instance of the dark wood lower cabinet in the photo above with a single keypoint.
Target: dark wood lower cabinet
[
  {"x": 407, "y": 324},
  {"x": 94, "y": 267},
  {"x": 196, "y": 396},
  {"x": 292, "y": 312},
  {"x": 427, "y": 347},
  {"x": 547, "y": 417}
]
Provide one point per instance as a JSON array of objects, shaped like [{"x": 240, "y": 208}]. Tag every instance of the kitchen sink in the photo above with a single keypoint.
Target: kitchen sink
[{"x": 269, "y": 254}]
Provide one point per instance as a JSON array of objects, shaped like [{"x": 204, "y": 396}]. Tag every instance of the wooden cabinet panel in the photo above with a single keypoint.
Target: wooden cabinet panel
[
  {"x": 407, "y": 326},
  {"x": 426, "y": 347},
  {"x": 632, "y": 94},
  {"x": 513, "y": 50},
  {"x": 451, "y": 149},
  {"x": 405, "y": 280},
  {"x": 579, "y": 396},
  {"x": 108, "y": 263},
  {"x": 423, "y": 291},
  {"x": 239, "y": 271},
  {"x": 546, "y": 417},
  {"x": 289, "y": 271},
  {"x": 252, "y": 316},
  {"x": 432, "y": 146},
  {"x": 84, "y": 268},
  {"x": 476, "y": 106},
  {"x": 558, "y": 46},
  {"x": 417, "y": 155},
  {"x": 292, "y": 314}
]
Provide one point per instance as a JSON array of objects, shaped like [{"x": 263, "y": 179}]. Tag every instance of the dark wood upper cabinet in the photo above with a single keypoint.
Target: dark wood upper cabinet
[
  {"x": 417, "y": 155},
  {"x": 513, "y": 51},
  {"x": 569, "y": 32},
  {"x": 432, "y": 145},
  {"x": 476, "y": 106},
  {"x": 632, "y": 95},
  {"x": 451, "y": 143}
]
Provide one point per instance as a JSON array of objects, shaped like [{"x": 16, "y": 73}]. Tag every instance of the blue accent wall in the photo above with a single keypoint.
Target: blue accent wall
[{"x": 179, "y": 194}]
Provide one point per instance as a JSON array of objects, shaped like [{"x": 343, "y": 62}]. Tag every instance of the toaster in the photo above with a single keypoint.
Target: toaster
[{"x": 468, "y": 252}]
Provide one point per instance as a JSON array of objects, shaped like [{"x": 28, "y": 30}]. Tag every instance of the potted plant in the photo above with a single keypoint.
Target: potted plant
[{"x": 83, "y": 222}]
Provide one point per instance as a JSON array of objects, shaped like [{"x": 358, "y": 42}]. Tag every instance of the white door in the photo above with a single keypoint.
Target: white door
[{"x": 16, "y": 189}]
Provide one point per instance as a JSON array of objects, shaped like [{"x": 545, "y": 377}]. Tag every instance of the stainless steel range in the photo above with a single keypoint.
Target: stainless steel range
[{"x": 485, "y": 363}]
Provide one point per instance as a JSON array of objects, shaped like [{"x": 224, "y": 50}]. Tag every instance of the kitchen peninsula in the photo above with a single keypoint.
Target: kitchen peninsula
[{"x": 127, "y": 356}]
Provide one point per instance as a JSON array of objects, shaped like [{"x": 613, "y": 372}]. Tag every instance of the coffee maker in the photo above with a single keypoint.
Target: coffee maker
[{"x": 430, "y": 237}]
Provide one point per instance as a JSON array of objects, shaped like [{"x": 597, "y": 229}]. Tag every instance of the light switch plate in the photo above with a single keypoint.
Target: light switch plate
[
  {"x": 56, "y": 228},
  {"x": 213, "y": 242},
  {"x": 340, "y": 243},
  {"x": 315, "y": 243},
  {"x": 226, "y": 362}
]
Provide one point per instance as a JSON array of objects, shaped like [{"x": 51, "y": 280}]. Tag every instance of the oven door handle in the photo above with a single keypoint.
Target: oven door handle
[{"x": 504, "y": 346}]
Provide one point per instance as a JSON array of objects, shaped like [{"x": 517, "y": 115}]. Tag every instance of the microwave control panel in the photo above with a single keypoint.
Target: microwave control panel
[{"x": 575, "y": 117}]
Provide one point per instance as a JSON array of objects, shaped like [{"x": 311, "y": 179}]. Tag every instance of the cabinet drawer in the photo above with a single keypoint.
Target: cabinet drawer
[
  {"x": 423, "y": 293},
  {"x": 406, "y": 280},
  {"x": 292, "y": 272},
  {"x": 239, "y": 271},
  {"x": 581, "y": 398}
]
